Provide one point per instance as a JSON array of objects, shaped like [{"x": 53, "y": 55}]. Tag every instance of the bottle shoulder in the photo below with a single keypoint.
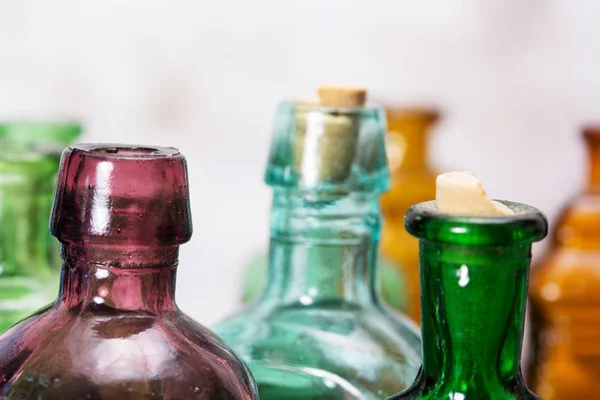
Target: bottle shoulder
[
  {"x": 472, "y": 393},
  {"x": 578, "y": 223},
  {"x": 448, "y": 387},
  {"x": 119, "y": 353},
  {"x": 337, "y": 317},
  {"x": 567, "y": 276},
  {"x": 569, "y": 271},
  {"x": 355, "y": 345},
  {"x": 391, "y": 278}
]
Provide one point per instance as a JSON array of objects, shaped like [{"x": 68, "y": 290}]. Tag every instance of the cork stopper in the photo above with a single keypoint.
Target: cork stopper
[
  {"x": 462, "y": 193},
  {"x": 325, "y": 140},
  {"x": 342, "y": 96}
]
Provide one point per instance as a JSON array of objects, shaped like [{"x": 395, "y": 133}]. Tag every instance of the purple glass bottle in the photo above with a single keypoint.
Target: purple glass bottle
[{"x": 115, "y": 331}]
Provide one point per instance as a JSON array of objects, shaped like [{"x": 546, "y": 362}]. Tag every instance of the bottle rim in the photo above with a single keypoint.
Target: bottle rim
[
  {"x": 125, "y": 151},
  {"x": 526, "y": 226}
]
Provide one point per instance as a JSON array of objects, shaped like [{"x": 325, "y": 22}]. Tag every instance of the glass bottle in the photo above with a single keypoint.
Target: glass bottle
[
  {"x": 474, "y": 274},
  {"x": 320, "y": 331},
  {"x": 413, "y": 181},
  {"x": 115, "y": 331},
  {"x": 29, "y": 158},
  {"x": 564, "y": 296}
]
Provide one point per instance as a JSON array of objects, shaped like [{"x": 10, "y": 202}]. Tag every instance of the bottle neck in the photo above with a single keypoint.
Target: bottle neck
[
  {"x": 124, "y": 279},
  {"x": 593, "y": 145},
  {"x": 407, "y": 146},
  {"x": 323, "y": 249},
  {"x": 472, "y": 314}
]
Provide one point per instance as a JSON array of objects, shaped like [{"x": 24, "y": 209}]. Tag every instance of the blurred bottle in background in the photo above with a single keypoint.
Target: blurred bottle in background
[
  {"x": 413, "y": 181},
  {"x": 29, "y": 256},
  {"x": 565, "y": 296}
]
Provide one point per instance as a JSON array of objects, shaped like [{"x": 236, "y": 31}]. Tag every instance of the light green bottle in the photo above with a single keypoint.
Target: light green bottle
[
  {"x": 320, "y": 330},
  {"x": 29, "y": 159}
]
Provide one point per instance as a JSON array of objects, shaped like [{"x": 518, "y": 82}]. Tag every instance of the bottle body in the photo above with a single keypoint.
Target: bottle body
[
  {"x": 97, "y": 351},
  {"x": 474, "y": 276},
  {"x": 412, "y": 182},
  {"x": 327, "y": 348},
  {"x": 323, "y": 351},
  {"x": 566, "y": 355},
  {"x": 28, "y": 167},
  {"x": 564, "y": 296},
  {"x": 115, "y": 332}
]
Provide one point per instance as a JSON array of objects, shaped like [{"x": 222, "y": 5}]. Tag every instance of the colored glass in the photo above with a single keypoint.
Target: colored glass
[
  {"x": 115, "y": 331},
  {"x": 413, "y": 181},
  {"x": 390, "y": 279},
  {"x": 320, "y": 331},
  {"x": 29, "y": 158},
  {"x": 474, "y": 274},
  {"x": 565, "y": 296}
]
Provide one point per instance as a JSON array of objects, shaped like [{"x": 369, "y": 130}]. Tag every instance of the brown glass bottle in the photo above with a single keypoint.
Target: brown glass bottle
[
  {"x": 413, "y": 181},
  {"x": 565, "y": 296}
]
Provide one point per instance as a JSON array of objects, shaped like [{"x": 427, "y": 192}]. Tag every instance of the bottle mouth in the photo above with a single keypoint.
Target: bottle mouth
[
  {"x": 526, "y": 226},
  {"x": 122, "y": 194},
  {"x": 328, "y": 149},
  {"x": 108, "y": 150},
  {"x": 305, "y": 106}
]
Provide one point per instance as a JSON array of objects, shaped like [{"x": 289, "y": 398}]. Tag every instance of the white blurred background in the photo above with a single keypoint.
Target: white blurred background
[{"x": 515, "y": 80}]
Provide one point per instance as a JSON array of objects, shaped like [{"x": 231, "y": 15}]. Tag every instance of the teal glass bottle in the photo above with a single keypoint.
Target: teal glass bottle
[
  {"x": 474, "y": 277},
  {"x": 29, "y": 160},
  {"x": 320, "y": 330}
]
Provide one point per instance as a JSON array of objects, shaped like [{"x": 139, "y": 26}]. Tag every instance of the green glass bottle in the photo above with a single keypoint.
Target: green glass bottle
[
  {"x": 474, "y": 276},
  {"x": 320, "y": 330},
  {"x": 29, "y": 159}
]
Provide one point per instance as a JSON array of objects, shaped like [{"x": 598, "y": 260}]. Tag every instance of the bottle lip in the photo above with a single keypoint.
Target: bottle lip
[
  {"x": 591, "y": 131},
  {"x": 126, "y": 151},
  {"x": 526, "y": 226},
  {"x": 417, "y": 113},
  {"x": 112, "y": 194},
  {"x": 307, "y": 106},
  {"x": 328, "y": 149}
]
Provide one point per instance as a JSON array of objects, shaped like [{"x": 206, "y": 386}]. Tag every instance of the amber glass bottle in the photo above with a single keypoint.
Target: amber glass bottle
[
  {"x": 565, "y": 296},
  {"x": 413, "y": 181}
]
